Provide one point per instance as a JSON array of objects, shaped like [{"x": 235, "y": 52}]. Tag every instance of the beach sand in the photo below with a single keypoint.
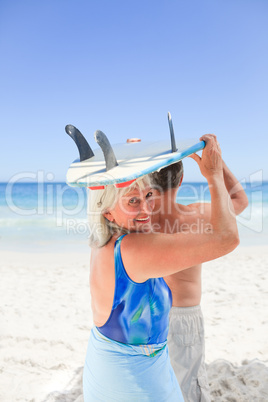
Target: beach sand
[{"x": 46, "y": 319}]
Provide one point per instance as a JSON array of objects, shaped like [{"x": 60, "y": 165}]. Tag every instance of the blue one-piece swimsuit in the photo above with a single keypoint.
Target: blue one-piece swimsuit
[
  {"x": 127, "y": 358},
  {"x": 140, "y": 312}
]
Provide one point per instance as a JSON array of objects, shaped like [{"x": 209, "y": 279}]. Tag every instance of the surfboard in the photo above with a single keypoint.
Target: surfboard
[{"x": 121, "y": 164}]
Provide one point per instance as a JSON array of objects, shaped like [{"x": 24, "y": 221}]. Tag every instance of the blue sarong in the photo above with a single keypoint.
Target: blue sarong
[{"x": 120, "y": 372}]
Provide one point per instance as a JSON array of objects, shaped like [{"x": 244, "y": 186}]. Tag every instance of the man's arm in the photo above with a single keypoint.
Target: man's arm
[{"x": 235, "y": 190}]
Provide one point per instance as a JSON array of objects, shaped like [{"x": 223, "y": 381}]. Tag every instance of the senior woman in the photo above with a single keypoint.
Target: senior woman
[{"x": 127, "y": 357}]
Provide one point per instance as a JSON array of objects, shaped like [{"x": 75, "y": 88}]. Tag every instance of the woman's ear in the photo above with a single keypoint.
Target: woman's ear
[{"x": 108, "y": 215}]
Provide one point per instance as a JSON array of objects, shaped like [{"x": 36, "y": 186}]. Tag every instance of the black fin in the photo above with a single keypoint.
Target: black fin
[
  {"x": 84, "y": 149},
  {"x": 107, "y": 149},
  {"x": 172, "y": 136}
]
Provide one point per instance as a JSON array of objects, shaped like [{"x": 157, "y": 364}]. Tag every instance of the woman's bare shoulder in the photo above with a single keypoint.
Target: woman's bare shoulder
[
  {"x": 101, "y": 260},
  {"x": 102, "y": 281}
]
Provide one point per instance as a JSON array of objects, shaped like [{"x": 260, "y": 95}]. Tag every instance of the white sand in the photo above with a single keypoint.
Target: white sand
[
  {"x": 45, "y": 319},
  {"x": 235, "y": 307}
]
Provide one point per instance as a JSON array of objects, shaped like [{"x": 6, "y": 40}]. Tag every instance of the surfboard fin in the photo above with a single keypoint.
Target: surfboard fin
[
  {"x": 172, "y": 136},
  {"x": 109, "y": 156},
  {"x": 84, "y": 149}
]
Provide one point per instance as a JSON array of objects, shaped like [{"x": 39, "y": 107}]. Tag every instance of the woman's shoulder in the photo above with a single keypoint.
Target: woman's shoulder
[
  {"x": 102, "y": 265},
  {"x": 102, "y": 258},
  {"x": 101, "y": 254},
  {"x": 102, "y": 280}
]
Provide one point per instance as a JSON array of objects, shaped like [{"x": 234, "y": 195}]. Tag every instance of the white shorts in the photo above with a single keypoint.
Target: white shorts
[{"x": 186, "y": 344}]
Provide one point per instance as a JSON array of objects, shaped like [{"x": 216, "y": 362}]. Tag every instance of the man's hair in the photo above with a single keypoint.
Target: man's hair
[{"x": 168, "y": 177}]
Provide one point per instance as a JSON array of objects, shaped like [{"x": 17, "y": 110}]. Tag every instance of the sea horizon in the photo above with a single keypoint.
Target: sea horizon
[{"x": 36, "y": 215}]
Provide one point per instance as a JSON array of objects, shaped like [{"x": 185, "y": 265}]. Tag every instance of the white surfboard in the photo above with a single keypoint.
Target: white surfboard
[{"x": 129, "y": 160}]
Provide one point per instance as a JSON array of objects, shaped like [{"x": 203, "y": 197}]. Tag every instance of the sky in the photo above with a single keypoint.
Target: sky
[{"x": 120, "y": 66}]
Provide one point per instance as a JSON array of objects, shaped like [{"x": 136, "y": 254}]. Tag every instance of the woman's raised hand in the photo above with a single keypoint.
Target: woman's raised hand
[{"x": 210, "y": 163}]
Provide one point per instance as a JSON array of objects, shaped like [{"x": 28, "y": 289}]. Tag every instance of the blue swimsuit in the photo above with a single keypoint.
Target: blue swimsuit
[
  {"x": 127, "y": 358},
  {"x": 140, "y": 312}
]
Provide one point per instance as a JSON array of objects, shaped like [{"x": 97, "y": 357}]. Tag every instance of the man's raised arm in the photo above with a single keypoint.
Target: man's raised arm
[{"x": 235, "y": 190}]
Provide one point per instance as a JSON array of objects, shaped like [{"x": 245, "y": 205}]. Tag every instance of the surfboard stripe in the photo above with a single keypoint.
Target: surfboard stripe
[{"x": 124, "y": 184}]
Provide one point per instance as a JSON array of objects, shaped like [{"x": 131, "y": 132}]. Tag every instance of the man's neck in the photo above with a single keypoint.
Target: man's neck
[{"x": 164, "y": 204}]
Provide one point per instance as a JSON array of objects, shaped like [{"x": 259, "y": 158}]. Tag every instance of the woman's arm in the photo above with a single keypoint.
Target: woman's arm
[{"x": 156, "y": 255}]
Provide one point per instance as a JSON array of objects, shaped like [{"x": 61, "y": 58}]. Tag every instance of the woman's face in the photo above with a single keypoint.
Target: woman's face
[{"x": 133, "y": 210}]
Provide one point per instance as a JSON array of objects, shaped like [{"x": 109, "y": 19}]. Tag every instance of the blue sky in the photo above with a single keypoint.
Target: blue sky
[{"x": 120, "y": 66}]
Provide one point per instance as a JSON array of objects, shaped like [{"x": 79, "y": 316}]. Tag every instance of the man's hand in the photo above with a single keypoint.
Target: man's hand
[{"x": 211, "y": 162}]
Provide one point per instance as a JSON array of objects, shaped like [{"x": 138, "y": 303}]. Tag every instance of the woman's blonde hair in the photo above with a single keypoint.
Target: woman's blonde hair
[{"x": 100, "y": 201}]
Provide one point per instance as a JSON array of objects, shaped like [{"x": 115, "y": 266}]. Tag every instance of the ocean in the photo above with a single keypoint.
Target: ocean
[{"x": 52, "y": 216}]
